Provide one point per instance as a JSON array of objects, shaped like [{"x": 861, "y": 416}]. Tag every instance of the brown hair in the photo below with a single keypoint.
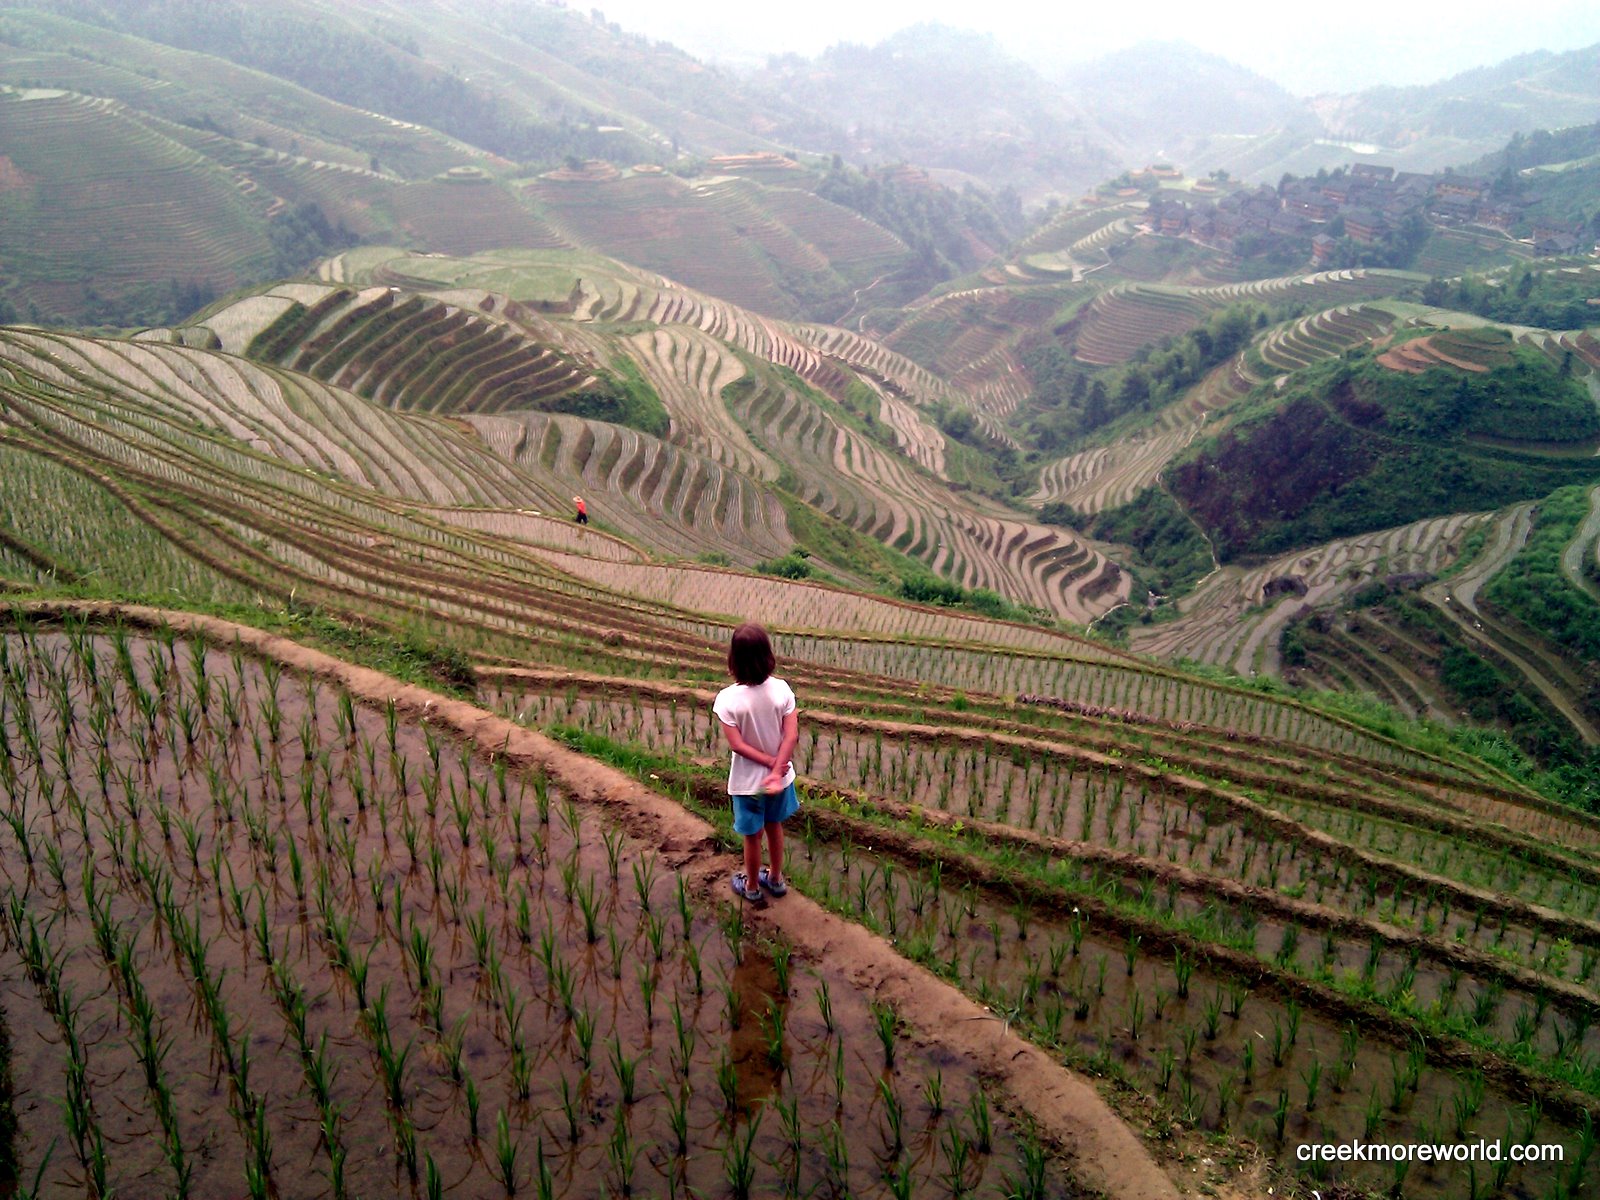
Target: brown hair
[{"x": 750, "y": 657}]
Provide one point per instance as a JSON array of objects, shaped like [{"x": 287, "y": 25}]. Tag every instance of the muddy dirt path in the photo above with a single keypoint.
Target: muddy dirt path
[{"x": 1101, "y": 1149}]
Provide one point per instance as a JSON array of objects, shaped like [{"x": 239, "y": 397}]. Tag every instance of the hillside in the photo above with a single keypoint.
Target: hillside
[
  {"x": 90, "y": 211},
  {"x": 439, "y": 141},
  {"x": 1156, "y": 97},
  {"x": 1447, "y": 421},
  {"x": 1531, "y": 91},
  {"x": 950, "y": 101},
  {"x": 419, "y": 639},
  {"x": 1420, "y": 128}
]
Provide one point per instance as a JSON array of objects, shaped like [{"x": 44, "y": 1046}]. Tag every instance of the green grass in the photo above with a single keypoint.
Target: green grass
[
  {"x": 848, "y": 551},
  {"x": 1533, "y": 588},
  {"x": 1522, "y": 741},
  {"x": 623, "y": 398},
  {"x": 1167, "y": 544}
]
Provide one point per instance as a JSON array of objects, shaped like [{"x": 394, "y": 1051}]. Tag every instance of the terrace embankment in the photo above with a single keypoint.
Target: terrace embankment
[
  {"x": 1066, "y": 1111},
  {"x": 1185, "y": 779}
]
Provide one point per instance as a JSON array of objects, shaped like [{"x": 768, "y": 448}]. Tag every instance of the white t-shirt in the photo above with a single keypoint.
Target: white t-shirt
[{"x": 757, "y": 713}]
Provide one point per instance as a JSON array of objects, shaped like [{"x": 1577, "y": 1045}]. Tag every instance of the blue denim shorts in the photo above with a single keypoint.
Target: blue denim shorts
[{"x": 753, "y": 813}]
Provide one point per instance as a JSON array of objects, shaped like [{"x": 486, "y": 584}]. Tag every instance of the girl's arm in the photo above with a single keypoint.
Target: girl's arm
[
  {"x": 744, "y": 749},
  {"x": 781, "y": 760}
]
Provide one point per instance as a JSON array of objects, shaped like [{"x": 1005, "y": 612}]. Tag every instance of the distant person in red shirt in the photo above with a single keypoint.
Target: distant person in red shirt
[{"x": 583, "y": 512}]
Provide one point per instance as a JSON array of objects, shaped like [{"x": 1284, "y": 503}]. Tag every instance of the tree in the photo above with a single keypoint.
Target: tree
[{"x": 1096, "y": 409}]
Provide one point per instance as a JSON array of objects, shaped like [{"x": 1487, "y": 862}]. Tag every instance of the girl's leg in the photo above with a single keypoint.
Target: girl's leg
[
  {"x": 752, "y": 858},
  {"x": 774, "y": 849}
]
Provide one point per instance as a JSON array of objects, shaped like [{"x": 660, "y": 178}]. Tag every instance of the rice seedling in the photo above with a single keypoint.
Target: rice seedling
[
  {"x": 835, "y": 1154},
  {"x": 739, "y": 1161},
  {"x": 625, "y": 1068},
  {"x": 505, "y": 1155},
  {"x": 885, "y": 1023},
  {"x": 933, "y": 1092},
  {"x": 583, "y": 1022},
  {"x": 957, "y": 1153},
  {"x": 982, "y": 1122},
  {"x": 623, "y": 1152},
  {"x": 727, "y": 1082},
  {"x": 691, "y": 958},
  {"x": 644, "y": 876}
]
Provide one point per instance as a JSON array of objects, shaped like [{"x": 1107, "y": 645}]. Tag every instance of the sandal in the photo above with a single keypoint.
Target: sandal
[
  {"x": 743, "y": 887},
  {"x": 776, "y": 887}
]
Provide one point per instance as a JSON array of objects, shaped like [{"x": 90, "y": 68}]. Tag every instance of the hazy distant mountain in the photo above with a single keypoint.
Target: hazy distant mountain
[
  {"x": 1532, "y": 91},
  {"x": 949, "y": 99},
  {"x": 510, "y": 76},
  {"x": 1156, "y": 96}
]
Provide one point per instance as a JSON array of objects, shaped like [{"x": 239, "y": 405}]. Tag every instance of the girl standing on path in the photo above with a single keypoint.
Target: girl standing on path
[{"x": 759, "y": 721}]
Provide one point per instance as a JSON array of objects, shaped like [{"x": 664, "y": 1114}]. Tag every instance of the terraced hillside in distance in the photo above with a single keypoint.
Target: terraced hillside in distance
[
  {"x": 274, "y": 173},
  {"x": 779, "y": 250},
  {"x": 98, "y": 202},
  {"x": 1124, "y": 318},
  {"x": 1312, "y": 616},
  {"x": 1112, "y": 474},
  {"x": 737, "y": 427}
]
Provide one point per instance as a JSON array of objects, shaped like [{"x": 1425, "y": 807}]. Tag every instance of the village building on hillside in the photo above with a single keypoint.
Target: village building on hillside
[{"x": 1367, "y": 204}]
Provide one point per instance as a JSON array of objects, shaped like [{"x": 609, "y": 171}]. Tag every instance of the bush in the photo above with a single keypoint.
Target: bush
[
  {"x": 791, "y": 566},
  {"x": 1058, "y": 512},
  {"x": 625, "y": 398},
  {"x": 929, "y": 589}
]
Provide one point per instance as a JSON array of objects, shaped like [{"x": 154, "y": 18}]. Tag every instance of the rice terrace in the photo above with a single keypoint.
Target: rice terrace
[{"x": 1186, "y": 567}]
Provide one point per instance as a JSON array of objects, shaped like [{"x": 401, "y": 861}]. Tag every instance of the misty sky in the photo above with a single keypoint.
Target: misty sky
[{"x": 1307, "y": 47}]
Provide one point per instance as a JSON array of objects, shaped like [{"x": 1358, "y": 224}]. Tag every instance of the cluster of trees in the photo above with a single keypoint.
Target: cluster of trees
[
  {"x": 164, "y": 302},
  {"x": 1541, "y": 147},
  {"x": 1565, "y": 197},
  {"x": 1534, "y": 588},
  {"x": 1351, "y": 446},
  {"x": 1069, "y": 402},
  {"x": 1171, "y": 552},
  {"x": 791, "y": 566},
  {"x": 930, "y": 589},
  {"x": 1498, "y": 695},
  {"x": 1002, "y": 472},
  {"x": 1281, "y": 253},
  {"x": 301, "y": 235},
  {"x": 1397, "y": 248},
  {"x": 1522, "y": 399},
  {"x": 937, "y": 223},
  {"x": 1544, "y": 299}
]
